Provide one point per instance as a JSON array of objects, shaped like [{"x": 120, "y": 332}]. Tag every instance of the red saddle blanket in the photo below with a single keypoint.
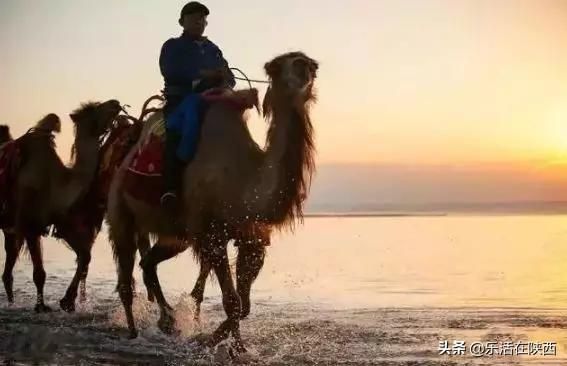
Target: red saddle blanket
[
  {"x": 143, "y": 179},
  {"x": 8, "y": 164}
]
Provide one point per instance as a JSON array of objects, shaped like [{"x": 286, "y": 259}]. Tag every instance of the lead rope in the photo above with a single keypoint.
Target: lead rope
[{"x": 246, "y": 78}]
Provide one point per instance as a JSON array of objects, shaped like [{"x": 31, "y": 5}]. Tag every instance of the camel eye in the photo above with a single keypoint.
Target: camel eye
[
  {"x": 273, "y": 68},
  {"x": 300, "y": 69}
]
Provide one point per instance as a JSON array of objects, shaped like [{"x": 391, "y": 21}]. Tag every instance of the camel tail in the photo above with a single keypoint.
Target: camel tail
[
  {"x": 123, "y": 243},
  {"x": 121, "y": 230}
]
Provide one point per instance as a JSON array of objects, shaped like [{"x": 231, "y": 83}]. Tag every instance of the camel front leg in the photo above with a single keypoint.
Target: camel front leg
[
  {"x": 216, "y": 253},
  {"x": 250, "y": 260},
  {"x": 164, "y": 249},
  {"x": 34, "y": 246},
  {"x": 12, "y": 247}
]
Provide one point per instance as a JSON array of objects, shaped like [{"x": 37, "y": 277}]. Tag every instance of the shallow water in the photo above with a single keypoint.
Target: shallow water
[{"x": 352, "y": 291}]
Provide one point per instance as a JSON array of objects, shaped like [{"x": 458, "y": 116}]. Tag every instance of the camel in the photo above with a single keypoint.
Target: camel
[
  {"x": 43, "y": 182},
  {"x": 122, "y": 133},
  {"x": 231, "y": 189},
  {"x": 80, "y": 225}
]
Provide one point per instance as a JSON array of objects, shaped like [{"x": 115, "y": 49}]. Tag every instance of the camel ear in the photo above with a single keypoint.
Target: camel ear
[
  {"x": 74, "y": 117},
  {"x": 273, "y": 68}
]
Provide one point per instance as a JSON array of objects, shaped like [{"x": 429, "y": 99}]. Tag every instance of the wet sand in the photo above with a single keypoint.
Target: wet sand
[{"x": 282, "y": 334}]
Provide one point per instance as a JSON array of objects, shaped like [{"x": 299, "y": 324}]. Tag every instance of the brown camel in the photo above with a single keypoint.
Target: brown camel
[
  {"x": 121, "y": 138},
  {"x": 82, "y": 222},
  {"x": 43, "y": 182},
  {"x": 231, "y": 189}
]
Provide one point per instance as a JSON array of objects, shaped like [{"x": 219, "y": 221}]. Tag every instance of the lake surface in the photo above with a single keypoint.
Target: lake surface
[{"x": 340, "y": 290}]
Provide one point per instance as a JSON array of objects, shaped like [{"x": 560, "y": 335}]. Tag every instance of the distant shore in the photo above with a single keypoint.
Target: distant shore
[
  {"x": 432, "y": 214},
  {"x": 536, "y": 208},
  {"x": 371, "y": 214}
]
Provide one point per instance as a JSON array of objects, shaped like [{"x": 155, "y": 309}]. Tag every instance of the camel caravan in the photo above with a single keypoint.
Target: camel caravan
[{"x": 231, "y": 189}]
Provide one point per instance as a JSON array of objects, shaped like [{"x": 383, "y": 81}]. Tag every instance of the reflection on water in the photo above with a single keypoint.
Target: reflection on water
[
  {"x": 370, "y": 262},
  {"x": 347, "y": 289}
]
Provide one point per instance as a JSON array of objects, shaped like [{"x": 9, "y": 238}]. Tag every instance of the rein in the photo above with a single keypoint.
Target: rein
[{"x": 245, "y": 78}]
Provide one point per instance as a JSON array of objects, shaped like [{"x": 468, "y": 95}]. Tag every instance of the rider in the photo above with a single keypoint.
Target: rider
[{"x": 190, "y": 64}]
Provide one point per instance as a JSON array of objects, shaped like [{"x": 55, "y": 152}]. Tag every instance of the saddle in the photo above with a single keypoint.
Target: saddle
[
  {"x": 143, "y": 180},
  {"x": 9, "y": 162}
]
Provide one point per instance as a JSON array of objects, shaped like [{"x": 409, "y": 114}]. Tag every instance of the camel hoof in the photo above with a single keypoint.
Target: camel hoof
[
  {"x": 42, "y": 308},
  {"x": 151, "y": 297},
  {"x": 66, "y": 305},
  {"x": 237, "y": 349},
  {"x": 166, "y": 323},
  {"x": 133, "y": 334},
  {"x": 197, "y": 314},
  {"x": 244, "y": 313}
]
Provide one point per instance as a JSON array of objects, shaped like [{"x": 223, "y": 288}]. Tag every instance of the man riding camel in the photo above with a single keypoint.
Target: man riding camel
[{"x": 190, "y": 64}]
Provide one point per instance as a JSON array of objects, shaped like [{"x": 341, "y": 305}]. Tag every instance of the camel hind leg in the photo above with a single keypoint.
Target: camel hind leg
[
  {"x": 199, "y": 289},
  {"x": 161, "y": 251},
  {"x": 12, "y": 247},
  {"x": 144, "y": 247},
  {"x": 124, "y": 247}
]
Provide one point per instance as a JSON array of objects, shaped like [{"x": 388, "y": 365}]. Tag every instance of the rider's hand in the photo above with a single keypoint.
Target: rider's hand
[{"x": 212, "y": 73}]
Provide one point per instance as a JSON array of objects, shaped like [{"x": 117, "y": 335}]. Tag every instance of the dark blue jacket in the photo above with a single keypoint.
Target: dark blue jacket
[{"x": 182, "y": 59}]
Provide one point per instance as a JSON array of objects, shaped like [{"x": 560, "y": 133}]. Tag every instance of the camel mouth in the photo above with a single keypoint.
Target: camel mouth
[
  {"x": 114, "y": 109},
  {"x": 110, "y": 109},
  {"x": 299, "y": 74}
]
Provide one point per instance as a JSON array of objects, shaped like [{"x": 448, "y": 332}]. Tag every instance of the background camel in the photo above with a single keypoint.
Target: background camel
[
  {"x": 82, "y": 222},
  {"x": 45, "y": 189},
  {"x": 231, "y": 188}
]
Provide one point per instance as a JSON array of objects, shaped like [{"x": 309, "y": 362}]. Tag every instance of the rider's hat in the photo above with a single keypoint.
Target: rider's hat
[{"x": 194, "y": 7}]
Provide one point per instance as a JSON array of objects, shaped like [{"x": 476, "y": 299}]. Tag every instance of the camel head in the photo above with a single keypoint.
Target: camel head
[
  {"x": 293, "y": 75},
  {"x": 49, "y": 123},
  {"x": 93, "y": 119}
]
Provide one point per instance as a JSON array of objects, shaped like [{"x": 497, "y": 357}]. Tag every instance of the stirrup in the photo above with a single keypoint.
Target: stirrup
[{"x": 167, "y": 195}]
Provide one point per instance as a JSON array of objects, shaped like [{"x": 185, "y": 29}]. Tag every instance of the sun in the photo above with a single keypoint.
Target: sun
[{"x": 556, "y": 125}]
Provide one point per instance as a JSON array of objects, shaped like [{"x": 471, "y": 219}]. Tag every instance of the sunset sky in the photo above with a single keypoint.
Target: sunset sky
[{"x": 401, "y": 81}]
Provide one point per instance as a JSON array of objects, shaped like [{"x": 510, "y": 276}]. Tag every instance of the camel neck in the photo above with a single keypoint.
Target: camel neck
[{"x": 283, "y": 178}]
